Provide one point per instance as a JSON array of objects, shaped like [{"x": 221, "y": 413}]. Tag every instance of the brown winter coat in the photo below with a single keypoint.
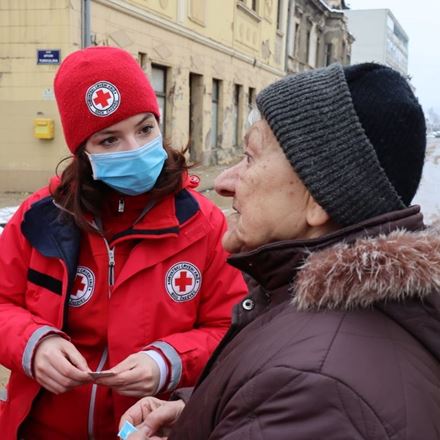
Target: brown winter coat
[{"x": 340, "y": 340}]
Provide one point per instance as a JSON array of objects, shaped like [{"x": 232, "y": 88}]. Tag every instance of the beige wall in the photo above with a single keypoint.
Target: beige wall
[
  {"x": 223, "y": 40},
  {"x": 26, "y": 88}
]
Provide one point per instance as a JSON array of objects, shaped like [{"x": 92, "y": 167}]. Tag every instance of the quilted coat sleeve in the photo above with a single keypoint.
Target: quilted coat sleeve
[
  {"x": 284, "y": 404},
  {"x": 223, "y": 286},
  {"x": 20, "y": 330}
]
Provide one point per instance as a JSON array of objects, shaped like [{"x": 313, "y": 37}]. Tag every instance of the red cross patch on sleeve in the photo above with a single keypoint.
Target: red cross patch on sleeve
[{"x": 183, "y": 281}]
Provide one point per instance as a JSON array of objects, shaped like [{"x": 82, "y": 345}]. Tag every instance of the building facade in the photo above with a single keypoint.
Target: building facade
[
  {"x": 378, "y": 37},
  {"x": 207, "y": 60},
  {"x": 206, "y": 65},
  {"x": 318, "y": 34}
]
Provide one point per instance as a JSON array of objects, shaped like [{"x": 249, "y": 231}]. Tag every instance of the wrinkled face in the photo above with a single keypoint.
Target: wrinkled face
[
  {"x": 128, "y": 134},
  {"x": 269, "y": 200}
]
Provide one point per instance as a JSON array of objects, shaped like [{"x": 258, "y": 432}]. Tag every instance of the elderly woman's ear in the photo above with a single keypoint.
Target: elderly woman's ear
[{"x": 316, "y": 216}]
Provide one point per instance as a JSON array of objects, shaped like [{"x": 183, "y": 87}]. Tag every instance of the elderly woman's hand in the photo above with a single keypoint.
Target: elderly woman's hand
[
  {"x": 153, "y": 417},
  {"x": 137, "y": 376}
]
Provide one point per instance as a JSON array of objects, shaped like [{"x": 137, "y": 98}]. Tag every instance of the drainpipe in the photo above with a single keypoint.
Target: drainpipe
[{"x": 85, "y": 23}]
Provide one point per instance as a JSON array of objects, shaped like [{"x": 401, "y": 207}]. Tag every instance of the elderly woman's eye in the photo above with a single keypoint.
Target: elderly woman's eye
[{"x": 248, "y": 157}]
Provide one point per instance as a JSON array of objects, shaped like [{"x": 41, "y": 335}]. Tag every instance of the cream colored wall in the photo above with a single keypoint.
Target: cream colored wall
[
  {"x": 213, "y": 19},
  {"x": 26, "y": 88},
  {"x": 188, "y": 51},
  {"x": 229, "y": 22},
  {"x": 159, "y": 28}
]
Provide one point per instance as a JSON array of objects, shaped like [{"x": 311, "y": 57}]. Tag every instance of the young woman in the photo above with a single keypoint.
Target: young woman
[{"x": 114, "y": 283}]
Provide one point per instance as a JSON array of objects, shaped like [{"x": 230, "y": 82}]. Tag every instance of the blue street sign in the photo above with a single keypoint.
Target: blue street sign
[{"x": 48, "y": 56}]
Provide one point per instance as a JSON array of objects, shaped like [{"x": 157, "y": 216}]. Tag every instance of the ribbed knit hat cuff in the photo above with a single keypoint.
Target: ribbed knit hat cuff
[{"x": 313, "y": 118}]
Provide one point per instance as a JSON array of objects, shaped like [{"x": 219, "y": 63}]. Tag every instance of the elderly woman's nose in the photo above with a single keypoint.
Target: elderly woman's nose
[{"x": 225, "y": 182}]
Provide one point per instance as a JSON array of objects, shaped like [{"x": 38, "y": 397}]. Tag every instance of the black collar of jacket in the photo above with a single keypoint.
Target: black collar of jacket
[
  {"x": 53, "y": 235},
  {"x": 274, "y": 265},
  {"x": 57, "y": 236},
  {"x": 283, "y": 273}
]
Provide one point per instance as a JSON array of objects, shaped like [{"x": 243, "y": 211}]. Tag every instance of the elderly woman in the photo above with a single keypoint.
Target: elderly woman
[{"x": 339, "y": 338}]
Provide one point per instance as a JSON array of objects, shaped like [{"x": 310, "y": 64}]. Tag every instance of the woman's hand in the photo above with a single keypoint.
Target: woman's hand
[
  {"x": 137, "y": 376},
  {"x": 153, "y": 417},
  {"x": 59, "y": 366}
]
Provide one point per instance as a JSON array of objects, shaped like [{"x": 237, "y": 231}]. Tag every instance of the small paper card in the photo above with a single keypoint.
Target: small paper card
[{"x": 99, "y": 374}]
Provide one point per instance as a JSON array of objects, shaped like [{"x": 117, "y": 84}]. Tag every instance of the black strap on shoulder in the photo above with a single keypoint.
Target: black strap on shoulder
[{"x": 44, "y": 280}]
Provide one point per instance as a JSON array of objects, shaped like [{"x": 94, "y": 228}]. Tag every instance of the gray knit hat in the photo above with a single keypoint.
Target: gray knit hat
[{"x": 314, "y": 119}]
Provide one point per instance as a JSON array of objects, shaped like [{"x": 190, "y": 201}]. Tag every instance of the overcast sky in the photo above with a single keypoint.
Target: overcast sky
[{"x": 421, "y": 21}]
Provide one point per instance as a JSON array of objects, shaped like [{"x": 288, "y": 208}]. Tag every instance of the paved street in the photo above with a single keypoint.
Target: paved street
[
  {"x": 428, "y": 194},
  {"x": 4, "y": 374}
]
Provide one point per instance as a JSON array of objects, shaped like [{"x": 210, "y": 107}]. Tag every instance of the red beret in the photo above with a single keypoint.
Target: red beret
[{"x": 98, "y": 87}]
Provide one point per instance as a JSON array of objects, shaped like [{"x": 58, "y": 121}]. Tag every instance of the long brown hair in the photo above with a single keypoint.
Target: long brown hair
[{"x": 81, "y": 196}]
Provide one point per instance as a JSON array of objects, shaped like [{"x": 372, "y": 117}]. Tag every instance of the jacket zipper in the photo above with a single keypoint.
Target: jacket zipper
[
  {"x": 91, "y": 418},
  {"x": 111, "y": 266},
  {"x": 111, "y": 263},
  {"x": 111, "y": 282}
]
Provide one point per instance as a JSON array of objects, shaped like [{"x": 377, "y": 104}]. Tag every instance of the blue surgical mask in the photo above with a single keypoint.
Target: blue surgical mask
[{"x": 130, "y": 172}]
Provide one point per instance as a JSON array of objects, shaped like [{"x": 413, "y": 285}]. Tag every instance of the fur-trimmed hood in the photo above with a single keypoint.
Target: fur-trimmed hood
[
  {"x": 390, "y": 264},
  {"x": 389, "y": 258},
  {"x": 400, "y": 265}
]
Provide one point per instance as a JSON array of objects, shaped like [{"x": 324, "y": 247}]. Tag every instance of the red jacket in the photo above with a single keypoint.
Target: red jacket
[{"x": 174, "y": 293}]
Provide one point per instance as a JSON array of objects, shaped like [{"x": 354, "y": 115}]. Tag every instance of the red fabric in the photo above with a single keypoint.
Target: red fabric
[
  {"x": 139, "y": 312},
  {"x": 115, "y": 221},
  {"x": 84, "y": 69}
]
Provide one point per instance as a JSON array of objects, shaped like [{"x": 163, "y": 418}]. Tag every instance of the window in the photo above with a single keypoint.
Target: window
[
  {"x": 215, "y": 98},
  {"x": 295, "y": 42},
  {"x": 236, "y": 135},
  {"x": 159, "y": 82},
  {"x": 328, "y": 54},
  {"x": 308, "y": 40},
  {"x": 196, "y": 91},
  {"x": 251, "y": 99},
  {"x": 390, "y": 23},
  {"x": 279, "y": 18},
  {"x": 254, "y": 5}
]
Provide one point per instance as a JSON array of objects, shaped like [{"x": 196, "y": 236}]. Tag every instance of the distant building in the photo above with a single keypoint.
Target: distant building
[
  {"x": 378, "y": 37},
  {"x": 317, "y": 34},
  {"x": 336, "y": 4}
]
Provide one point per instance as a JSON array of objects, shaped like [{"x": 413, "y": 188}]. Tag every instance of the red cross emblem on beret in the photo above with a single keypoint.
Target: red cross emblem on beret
[{"x": 103, "y": 98}]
